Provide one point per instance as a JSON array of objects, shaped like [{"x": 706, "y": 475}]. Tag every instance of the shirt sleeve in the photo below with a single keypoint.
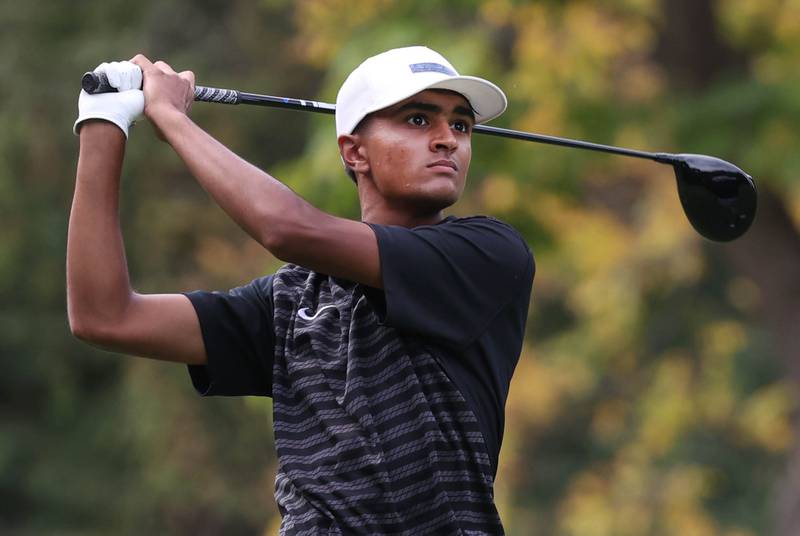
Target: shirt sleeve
[
  {"x": 239, "y": 341},
  {"x": 448, "y": 281}
]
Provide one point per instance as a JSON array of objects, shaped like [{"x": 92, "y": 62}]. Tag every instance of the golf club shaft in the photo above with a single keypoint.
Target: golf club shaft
[
  {"x": 97, "y": 83},
  {"x": 207, "y": 94}
]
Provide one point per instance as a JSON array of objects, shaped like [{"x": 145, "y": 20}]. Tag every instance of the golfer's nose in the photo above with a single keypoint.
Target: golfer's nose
[{"x": 443, "y": 137}]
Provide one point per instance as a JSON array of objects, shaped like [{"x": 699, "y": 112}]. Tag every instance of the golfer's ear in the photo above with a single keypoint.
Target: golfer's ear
[{"x": 353, "y": 152}]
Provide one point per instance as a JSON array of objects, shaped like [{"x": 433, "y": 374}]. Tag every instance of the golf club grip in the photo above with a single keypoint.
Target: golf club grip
[
  {"x": 215, "y": 94},
  {"x": 93, "y": 82}
]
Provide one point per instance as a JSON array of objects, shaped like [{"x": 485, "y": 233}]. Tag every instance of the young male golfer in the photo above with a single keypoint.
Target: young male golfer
[{"x": 387, "y": 344}]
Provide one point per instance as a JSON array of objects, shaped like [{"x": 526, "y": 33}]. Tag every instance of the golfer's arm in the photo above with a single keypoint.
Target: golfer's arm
[
  {"x": 102, "y": 307},
  {"x": 289, "y": 227}
]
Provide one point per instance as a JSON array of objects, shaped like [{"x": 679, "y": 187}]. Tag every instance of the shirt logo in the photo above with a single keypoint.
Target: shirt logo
[
  {"x": 303, "y": 313},
  {"x": 431, "y": 68}
]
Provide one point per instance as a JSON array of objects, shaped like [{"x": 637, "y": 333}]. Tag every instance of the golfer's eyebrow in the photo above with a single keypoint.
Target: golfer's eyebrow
[{"x": 435, "y": 108}]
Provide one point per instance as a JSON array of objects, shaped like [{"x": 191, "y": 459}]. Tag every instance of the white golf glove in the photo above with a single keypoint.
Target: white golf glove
[{"x": 121, "y": 108}]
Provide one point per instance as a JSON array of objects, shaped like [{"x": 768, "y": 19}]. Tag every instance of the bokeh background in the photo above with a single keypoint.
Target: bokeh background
[{"x": 657, "y": 390}]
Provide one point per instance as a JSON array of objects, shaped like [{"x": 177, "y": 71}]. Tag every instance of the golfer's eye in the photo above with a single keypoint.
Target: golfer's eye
[
  {"x": 418, "y": 120},
  {"x": 462, "y": 126}
]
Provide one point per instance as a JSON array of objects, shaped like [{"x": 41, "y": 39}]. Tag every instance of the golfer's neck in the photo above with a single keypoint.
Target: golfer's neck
[
  {"x": 375, "y": 208},
  {"x": 387, "y": 215}
]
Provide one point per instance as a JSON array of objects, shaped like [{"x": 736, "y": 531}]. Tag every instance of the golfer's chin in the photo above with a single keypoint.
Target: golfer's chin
[{"x": 436, "y": 193}]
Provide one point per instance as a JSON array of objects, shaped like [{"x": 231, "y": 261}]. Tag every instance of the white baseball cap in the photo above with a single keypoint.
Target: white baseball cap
[{"x": 394, "y": 75}]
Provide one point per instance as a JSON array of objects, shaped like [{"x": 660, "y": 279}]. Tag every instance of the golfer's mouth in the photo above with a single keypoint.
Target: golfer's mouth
[{"x": 448, "y": 164}]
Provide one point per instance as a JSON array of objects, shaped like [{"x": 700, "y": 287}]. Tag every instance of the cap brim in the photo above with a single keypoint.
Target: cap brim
[{"x": 487, "y": 100}]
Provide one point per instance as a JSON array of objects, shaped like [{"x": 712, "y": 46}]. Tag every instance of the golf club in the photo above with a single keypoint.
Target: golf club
[{"x": 718, "y": 198}]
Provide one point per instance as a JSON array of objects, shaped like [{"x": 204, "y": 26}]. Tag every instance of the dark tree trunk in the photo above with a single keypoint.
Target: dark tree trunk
[
  {"x": 769, "y": 254},
  {"x": 690, "y": 48}
]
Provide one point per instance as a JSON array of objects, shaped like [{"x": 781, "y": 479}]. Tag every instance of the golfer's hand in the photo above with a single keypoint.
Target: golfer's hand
[
  {"x": 165, "y": 91},
  {"x": 121, "y": 108}
]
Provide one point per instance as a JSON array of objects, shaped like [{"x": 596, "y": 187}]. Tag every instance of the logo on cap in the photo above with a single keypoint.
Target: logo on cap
[{"x": 431, "y": 68}]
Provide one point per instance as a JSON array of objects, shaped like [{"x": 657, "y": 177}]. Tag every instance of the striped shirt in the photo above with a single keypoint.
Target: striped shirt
[{"x": 385, "y": 403}]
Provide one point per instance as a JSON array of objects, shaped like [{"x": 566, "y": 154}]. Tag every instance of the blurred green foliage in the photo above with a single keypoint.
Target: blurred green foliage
[{"x": 656, "y": 388}]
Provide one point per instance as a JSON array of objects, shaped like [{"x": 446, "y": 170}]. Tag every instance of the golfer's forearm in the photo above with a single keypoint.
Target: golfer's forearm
[
  {"x": 264, "y": 207},
  {"x": 98, "y": 286},
  {"x": 284, "y": 223}
]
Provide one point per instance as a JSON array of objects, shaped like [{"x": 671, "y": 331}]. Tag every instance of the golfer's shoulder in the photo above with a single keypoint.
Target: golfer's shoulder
[
  {"x": 490, "y": 231},
  {"x": 257, "y": 290},
  {"x": 482, "y": 221}
]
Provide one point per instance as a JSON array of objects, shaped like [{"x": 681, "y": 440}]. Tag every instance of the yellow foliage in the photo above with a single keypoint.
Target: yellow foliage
[
  {"x": 547, "y": 117},
  {"x": 667, "y": 409},
  {"x": 690, "y": 523},
  {"x": 636, "y": 137},
  {"x": 684, "y": 489},
  {"x": 685, "y": 486},
  {"x": 216, "y": 256},
  {"x": 593, "y": 241},
  {"x": 780, "y": 139},
  {"x": 634, "y": 485},
  {"x": 751, "y": 22},
  {"x": 631, "y": 497},
  {"x": 497, "y": 12},
  {"x": 743, "y": 293},
  {"x": 610, "y": 305},
  {"x": 261, "y": 405},
  {"x": 273, "y": 527},
  {"x": 640, "y": 82},
  {"x": 228, "y": 260},
  {"x": 585, "y": 510},
  {"x": 597, "y": 251},
  {"x": 499, "y": 193},
  {"x": 764, "y": 418},
  {"x": 781, "y": 133},
  {"x": 744, "y": 21},
  {"x": 769, "y": 68},
  {"x": 716, "y": 399},
  {"x": 538, "y": 388},
  {"x": 721, "y": 339},
  {"x": 609, "y": 420},
  {"x": 666, "y": 242},
  {"x": 583, "y": 48},
  {"x": 537, "y": 394},
  {"x": 324, "y": 25},
  {"x": 787, "y": 25},
  {"x": 664, "y": 225},
  {"x": 793, "y": 200}
]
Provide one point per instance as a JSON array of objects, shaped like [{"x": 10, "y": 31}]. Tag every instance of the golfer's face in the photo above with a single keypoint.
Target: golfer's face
[{"x": 419, "y": 149}]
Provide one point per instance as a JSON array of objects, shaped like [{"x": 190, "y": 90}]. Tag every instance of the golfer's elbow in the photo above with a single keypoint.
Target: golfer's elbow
[
  {"x": 97, "y": 327},
  {"x": 84, "y": 328},
  {"x": 90, "y": 329},
  {"x": 274, "y": 240}
]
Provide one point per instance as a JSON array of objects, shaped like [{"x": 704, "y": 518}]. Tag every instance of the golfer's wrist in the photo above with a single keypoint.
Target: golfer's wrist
[
  {"x": 98, "y": 129},
  {"x": 167, "y": 119}
]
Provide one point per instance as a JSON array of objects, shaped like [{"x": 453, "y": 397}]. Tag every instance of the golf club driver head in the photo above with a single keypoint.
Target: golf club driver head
[{"x": 719, "y": 199}]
